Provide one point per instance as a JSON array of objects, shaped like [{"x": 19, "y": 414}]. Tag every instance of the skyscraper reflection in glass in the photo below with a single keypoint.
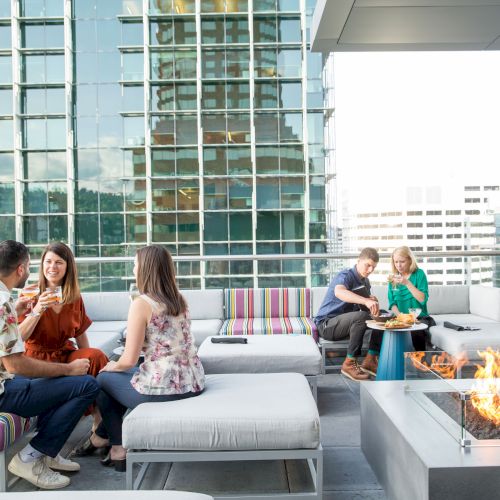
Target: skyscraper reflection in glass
[{"x": 198, "y": 125}]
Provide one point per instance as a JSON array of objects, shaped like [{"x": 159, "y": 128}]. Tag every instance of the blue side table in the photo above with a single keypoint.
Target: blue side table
[{"x": 394, "y": 344}]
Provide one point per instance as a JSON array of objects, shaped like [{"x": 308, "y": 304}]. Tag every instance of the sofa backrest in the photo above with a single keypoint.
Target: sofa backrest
[
  {"x": 485, "y": 301},
  {"x": 267, "y": 302},
  {"x": 205, "y": 304},
  {"x": 106, "y": 306},
  {"x": 448, "y": 299}
]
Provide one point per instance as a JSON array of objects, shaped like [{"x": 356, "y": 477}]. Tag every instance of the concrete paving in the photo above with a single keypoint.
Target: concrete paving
[{"x": 347, "y": 475}]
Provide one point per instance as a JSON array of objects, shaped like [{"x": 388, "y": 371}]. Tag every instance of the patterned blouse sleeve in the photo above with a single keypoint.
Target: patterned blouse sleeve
[
  {"x": 10, "y": 340},
  {"x": 85, "y": 321}
]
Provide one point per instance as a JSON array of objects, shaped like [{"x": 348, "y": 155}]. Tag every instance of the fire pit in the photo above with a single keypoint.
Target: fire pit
[{"x": 462, "y": 396}]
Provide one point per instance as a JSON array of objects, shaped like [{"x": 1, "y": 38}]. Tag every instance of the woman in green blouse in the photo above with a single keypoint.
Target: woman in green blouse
[{"x": 408, "y": 289}]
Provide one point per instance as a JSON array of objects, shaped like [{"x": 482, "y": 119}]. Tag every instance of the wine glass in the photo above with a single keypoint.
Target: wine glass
[
  {"x": 415, "y": 312},
  {"x": 56, "y": 292},
  {"x": 30, "y": 291},
  {"x": 394, "y": 283},
  {"x": 133, "y": 292}
]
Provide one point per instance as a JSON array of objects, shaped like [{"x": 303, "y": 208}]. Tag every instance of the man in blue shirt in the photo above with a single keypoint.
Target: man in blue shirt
[{"x": 346, "y": 307}]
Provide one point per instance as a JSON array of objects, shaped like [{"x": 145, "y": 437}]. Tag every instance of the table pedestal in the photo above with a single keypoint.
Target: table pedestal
[{"x": 391, "y": 360}]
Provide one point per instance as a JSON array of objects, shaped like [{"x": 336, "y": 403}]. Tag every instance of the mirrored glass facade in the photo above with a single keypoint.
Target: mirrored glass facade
[{"x": 198, "y": 125}]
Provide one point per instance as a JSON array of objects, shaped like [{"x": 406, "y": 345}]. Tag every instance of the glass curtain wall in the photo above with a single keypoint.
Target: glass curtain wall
[{"x": 197, "y": 125}]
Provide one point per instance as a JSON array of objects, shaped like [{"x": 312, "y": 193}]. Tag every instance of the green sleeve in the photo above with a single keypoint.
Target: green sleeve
[{"x": 421, "y": 284}]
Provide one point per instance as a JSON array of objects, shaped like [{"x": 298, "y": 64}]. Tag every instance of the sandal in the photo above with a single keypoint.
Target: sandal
[
  {"x": 87, "y": 448},
  {"x": 119, "y": 465}
]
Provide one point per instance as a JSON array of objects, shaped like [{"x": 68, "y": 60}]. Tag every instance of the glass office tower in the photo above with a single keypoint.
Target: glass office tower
[{"x": 198, "y": 125}]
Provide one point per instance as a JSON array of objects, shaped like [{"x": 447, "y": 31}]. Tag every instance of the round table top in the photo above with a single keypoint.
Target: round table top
[{"x": 381, "y": 326}]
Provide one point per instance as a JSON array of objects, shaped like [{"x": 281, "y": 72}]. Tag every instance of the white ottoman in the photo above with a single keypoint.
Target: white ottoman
[
  {"x": 264, "y": 354},
  {"x": 270, "y": 416}
]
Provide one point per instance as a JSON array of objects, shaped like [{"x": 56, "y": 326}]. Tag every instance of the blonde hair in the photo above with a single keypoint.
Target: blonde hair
[
  {"x": 69, "y": 285},
  {"x": 405, "y": 252},
  {"x": 156, "y": 278}
]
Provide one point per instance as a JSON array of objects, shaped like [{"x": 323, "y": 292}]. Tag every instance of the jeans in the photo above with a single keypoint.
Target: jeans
[
  {"x": 351, "y": 325},
  {"x": 117, "y": 396},
  {"x": 58, "y": 402}
]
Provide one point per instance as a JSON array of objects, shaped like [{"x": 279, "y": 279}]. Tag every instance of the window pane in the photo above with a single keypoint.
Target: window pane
[
  {"x": 292, "y": 225},
  {"x": 134, "y": 162},
  {"x": 132, "y": 34},
  {"x": 111, "y": 196},
  {"x": 240, "y": 193},
  {"x": 267, "y": 193},
  {"x": 290, "y": 127},
  {"x": 216, "y": 226},
  {"x": 5, "y": 101},
  {"x": 238, "y": 128},
  {"x": 214, "y": 161},
  {"x": 133, "y": 66},
  {"x": 112, "y": 230},
  {"x": 268, "y": 226},
  {"x": 186, "y": 129},
  {"x": 213, "y": 64},
  {"x": 290, "y": 94},
  {"x": 237, "y": 30},
  {"x": 212, "y": 30},
  {"x": 164, "y": 227},
  {"x": 188, "y": 227},
  {"x": 240, "y": 225},
  {"x": 5, "y": 37},
  {"x": 6, "y": 166},
  {"x": 266, "y": 95},
  {"x": 266, "y": 127},
  {"x": 57, "y": 197},
  {"x": 6, "y": 69},
  {"x": 33, "y": 101},
  {"x": 264, "y": 29},
  {"x": 315, "y": 128},
  {"x": 7, "y": 205},
  {"x": 109, "y": 67},
  {"x": 163, "y": 195},
  {"x": 133, "y": 98},
  {"x": 9, "y": 227},
  {"x": 35, "y": 134},
  {"x": 289, "y": 30},
  {"x": 56, "y": 133},
  {"x": 163, "y": 162},
  {"x": 317, "y": 192},
  {"x": 135, "y": 195},
  {"x": 214, "y": 129},
  {"x": 267, "y": 159},
  {"x": 292, "y": 192},
  {"x": 264, "y": 5},
  {"x": 239, "y": 160},
  {"x": 265, "y": 63},
  {"x": 214, "y": 96},
  {"x": 110, "y": 134},
  {"x": 6, "y": 134},
  {"x": 238, "y": 96},
  {"x": 289, "y": 63},
  {"x": 185, "y": 96},
  {"x": 87, "y": 229},
  {"x": 291, "y": 159},
  {"x": 133, "y": 130},
  {"x": 188, "y": 194},
  {"x": 185, "y": 64},
  {"x": 215, "y": 194},
  {"x": 187, "y": 161},
  {"x": 109, "y": 99},
  {"x": 35, "y": 197},
  {"x": 185, "y": 31},
  {"x": 136, "y": 228},
  {"x": 162, "y": 130},
  {"x": 238, "y": 63},
  {"x": 162, "y": 97},
  {"x": 161, "y": 32},
  {"x": 108, "y": 34},
  {"x": 162, "y": 66}
]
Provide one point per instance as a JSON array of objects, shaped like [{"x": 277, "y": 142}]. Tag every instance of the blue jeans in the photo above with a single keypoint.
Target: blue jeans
[
  {"x": 117, "y": 396},
  {"x": 58, "y": 402}
]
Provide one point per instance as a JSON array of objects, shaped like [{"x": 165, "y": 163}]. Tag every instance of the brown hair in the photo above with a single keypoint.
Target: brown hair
[
  {"x": 369, "y": 253},
  {"x": 405, "y": 252},
  {"x": 70, "y": 287},
  {"x": 156, "y": 278}
]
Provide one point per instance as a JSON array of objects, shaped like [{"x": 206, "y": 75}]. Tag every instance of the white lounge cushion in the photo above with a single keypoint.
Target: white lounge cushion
[
  {"x": 448, "y": 299},
  {"x": 108, "y": 326},
  {"x": 485, "y": 301},
  {"x": 263, "y": 354},
  {"x": 205, "y": 304},
  {"x": 455, "y": 342},
  {"x": 106, "y": 306},
  {"x": 105, "y": 341},
  {"x": 235, "y": 412},
  {"x": 203, "y": 328},
  {"x": 106, "y": 495}
]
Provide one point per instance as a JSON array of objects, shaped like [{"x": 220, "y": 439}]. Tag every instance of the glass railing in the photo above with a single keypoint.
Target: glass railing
[{"x": 287, "y": 270}]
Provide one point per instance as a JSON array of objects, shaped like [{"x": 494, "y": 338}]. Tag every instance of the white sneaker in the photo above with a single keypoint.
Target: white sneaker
[
  {"x": 60, "y": 463},
  {"x": 37, "y": 473}
]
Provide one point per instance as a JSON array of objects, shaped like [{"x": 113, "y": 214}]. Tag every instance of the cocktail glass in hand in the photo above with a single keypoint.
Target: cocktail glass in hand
[
  {"x": 133, "y": 292},
  {"x": 56, "y": 294},
  {"x": 415, "y": 311},
  {"x": 392, "y": 278},
  {"x": 30, "y": 291}
]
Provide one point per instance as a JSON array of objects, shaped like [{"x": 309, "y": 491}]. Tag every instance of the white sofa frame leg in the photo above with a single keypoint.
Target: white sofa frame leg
[
  {"x": 3, "y": 472},
  {"x": 314, "y": 458}
]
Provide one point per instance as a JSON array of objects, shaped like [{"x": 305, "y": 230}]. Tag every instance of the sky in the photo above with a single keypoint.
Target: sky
[{"x": 416, "y": 119}]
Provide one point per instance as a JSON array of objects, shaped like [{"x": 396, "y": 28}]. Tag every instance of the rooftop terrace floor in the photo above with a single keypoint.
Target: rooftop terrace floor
[{"x": 347, "y": 475}]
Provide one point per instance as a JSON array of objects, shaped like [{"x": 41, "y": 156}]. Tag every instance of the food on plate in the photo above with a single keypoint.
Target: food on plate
[
  {"x": 396, "y": 323},
  {"x": 405, "y": 318}
]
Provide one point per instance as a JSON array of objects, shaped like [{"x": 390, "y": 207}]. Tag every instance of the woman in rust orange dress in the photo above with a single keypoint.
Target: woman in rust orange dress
[{"x": 49, "y": 331}]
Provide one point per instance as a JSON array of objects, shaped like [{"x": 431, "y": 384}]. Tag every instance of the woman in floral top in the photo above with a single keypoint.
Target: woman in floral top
[{"x": 159, "y": 326}]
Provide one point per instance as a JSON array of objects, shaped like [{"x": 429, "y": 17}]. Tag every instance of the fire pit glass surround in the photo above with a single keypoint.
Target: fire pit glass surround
[{"x": 461, "y": 395}]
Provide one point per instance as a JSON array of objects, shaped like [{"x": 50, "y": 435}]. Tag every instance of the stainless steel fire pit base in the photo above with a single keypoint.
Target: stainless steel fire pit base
[{"x": 413, "y": 457}]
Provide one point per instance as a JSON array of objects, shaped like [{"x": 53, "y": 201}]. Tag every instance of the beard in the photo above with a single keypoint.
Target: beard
[{"x": 22, "y": 280}]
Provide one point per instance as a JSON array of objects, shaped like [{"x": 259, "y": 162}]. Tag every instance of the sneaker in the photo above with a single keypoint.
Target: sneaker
[
  {"x": 37, "y": 473},
  {"x": 351, "y": 369},
  {"x": 370, "y": 364},
  {"x": 60, "y": 463}
]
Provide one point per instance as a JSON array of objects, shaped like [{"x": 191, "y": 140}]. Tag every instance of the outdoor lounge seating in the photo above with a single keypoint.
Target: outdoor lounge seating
[
  {"x": 264, "y": 354},
  {"x": 270, "y": 416},
  {"x": 109, "y": 495}
]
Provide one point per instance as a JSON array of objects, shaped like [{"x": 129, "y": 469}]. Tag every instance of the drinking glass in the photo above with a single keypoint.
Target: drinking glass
[
  {"x": 56, "y": 292},
  {"x": 133, "y": 291},
  {"x": 30, "y": 291},
  {"x": 415, "y": 312},
  {"x": 395, "y": 284}
]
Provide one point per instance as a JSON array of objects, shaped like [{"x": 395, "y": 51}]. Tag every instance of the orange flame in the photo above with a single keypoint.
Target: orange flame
[
  {"x": 485, "y": 391},
  {"x": 443, "y": 364}
]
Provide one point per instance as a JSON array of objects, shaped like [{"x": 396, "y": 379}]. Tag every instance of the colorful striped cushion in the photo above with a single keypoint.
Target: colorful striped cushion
[
  {"x": 267, "y": 302},
  {"x": 12, "y": 427},
  {"x": 269, "y": 326}
]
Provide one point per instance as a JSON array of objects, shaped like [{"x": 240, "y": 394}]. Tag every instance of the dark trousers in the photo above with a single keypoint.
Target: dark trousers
[
  {"x": 350, "y": 325},
  {"x": 58, "y": 402},
  {"x": 117, "y": 396},
  {"x": 419, "y": 338}
]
